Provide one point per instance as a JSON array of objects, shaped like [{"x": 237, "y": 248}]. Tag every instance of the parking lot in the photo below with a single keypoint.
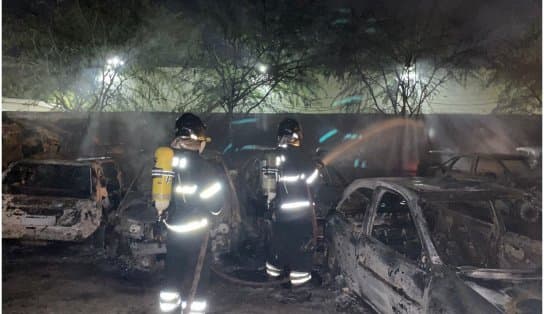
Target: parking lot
[{"x": 75, "y": 280}]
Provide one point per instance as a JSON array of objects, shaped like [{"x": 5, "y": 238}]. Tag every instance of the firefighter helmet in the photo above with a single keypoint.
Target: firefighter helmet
[
  {"x": 190, "y": 133},
  {"x": 289, "y": 133}
]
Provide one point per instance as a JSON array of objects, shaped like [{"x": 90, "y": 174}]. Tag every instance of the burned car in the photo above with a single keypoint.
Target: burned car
[
  {"x": 58, "y": 199},
  {"x": 139, "y": 240},
  {"x": 534, "y": 156},
  {"x": 507, "y": 169},
  {"x": 434, "y": 245}
]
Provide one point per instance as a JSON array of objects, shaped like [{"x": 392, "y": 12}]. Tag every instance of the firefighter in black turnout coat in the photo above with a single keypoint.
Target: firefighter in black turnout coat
[
  {"x": 197, "y": 192},
  {"x": 293, "y": 219}
]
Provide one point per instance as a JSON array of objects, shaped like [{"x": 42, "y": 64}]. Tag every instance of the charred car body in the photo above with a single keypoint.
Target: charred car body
[
  {"x": 507, "y": 169},
  {"x": 140, "y": 240},
  {"x": 414, "y": 245},
  {"x": 58, "y": 200}
]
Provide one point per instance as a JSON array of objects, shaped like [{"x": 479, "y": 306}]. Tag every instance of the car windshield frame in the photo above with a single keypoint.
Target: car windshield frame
[
  {"x": 490, "y": 201},
  {"x": 527, "y": 170},
  {"x": 425, "y": 204},
  {"x": 45, "y": 179}
]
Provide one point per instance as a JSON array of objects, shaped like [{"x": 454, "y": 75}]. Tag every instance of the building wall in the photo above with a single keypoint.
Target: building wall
[
  {"x": 166, "y": 93},
  {"x": 376, "y": 144},
  {"x": 17, "y": 104}
]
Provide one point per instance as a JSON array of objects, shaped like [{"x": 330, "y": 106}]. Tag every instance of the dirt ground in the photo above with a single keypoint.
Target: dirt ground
[{"x": 64, "y": 280}]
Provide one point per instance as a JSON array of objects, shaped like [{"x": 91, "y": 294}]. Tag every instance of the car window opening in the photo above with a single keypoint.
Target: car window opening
[
  {"x": 49, "y": 179},
  {"x": 394, "y": 226}
]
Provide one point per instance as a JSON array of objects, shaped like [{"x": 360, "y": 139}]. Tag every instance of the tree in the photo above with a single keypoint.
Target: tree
[
  {"x": 403, "y": 56},
  {"x": 90, "y": 56},
  {"x": 247, "y": 60},
  {"x": 167, "y": 58},
  {"x": 247, "y": 56},
  {"x": 66, "y": 55},
  {"x": 515, "y": 66}
]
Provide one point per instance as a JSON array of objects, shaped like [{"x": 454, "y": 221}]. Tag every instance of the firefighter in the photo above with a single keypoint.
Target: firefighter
[
  {"x": 293, "y": 228},
  {"x": 196, "y": 188}
]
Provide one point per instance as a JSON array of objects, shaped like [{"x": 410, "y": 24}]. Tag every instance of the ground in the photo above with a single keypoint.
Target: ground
[{"x": 68, "y": 280}]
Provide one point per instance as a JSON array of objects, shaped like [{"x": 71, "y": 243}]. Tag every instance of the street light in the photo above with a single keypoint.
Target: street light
[
  {"x": 263, "y": 68},
  {"x": 114, "y": 62},
  {"x": 110, "y": 70},
  {"x": 409, "y": 74}
]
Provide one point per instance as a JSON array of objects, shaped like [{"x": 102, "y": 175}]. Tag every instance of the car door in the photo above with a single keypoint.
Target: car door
[
  {"x": 390, "y": 255},
  {"x": 343, "y": 228},
  {"x": 475, "y": 223},
  {"x": 520, "y": 244}
]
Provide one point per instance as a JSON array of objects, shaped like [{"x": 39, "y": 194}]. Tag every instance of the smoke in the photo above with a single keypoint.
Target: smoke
[
  {"x": 131, "y": 138},
  {"x": 484, "y": 134},
  {"x": 364, "y": 145}
]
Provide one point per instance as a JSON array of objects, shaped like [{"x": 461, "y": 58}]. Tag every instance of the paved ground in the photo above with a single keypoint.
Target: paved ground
[{"x": 57, "y": 280}]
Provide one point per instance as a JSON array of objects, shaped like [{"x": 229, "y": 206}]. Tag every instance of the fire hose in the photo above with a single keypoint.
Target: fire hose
[
  {"x": 198, "y": 271},
  {"x": 239, "y": 281},
  {"x": 221, "y": 274},
  {"x": 247, "y": 282},
  {"x": 235, "y": 280}
]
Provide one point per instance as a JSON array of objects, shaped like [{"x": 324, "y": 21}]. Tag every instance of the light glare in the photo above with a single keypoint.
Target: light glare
[
  {"x": 312, "y": 177},
  {"x": 115, "y": 62},
  {"x": 211, "y": 191},
  {"x": 186, "y": 189},
  {"x": 188, "y": 227},
  {"x": 197, "y": 306},
  {"x": 263, "y": 68},
  {"x": 295, "y": 205}
]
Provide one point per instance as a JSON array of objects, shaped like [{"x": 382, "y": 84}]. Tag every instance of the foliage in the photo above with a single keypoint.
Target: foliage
[
  {"x": 389, "y": 57},
  {"x": 64, "y": 52},
  {"x": 515, "y": 66},
  {"x": 403, "y": 57},
  {"x": 172, "y": 61},
  {"x": 246, "y": 60}
]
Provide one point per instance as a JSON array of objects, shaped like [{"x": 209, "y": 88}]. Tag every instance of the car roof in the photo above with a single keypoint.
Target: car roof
[
  {"x": 493, "y": 155},
  {"x": 66, "y": 162},
  {"x": 439, "y": 188}
]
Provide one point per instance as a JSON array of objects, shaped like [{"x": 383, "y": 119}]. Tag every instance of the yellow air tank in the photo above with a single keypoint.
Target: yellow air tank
[{"x": 162, "y": 178}]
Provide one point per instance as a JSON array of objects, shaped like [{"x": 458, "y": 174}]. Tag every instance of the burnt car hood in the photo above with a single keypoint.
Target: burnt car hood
[
  {"x": 510, "y": 290},
  {"x": 41, "y": 205}
]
